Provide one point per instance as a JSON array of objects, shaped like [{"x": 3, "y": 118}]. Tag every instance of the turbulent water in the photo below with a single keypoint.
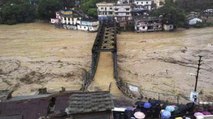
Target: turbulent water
[
  {"x": 38, "y": 55},
  {"x": 167, "y": 61}
]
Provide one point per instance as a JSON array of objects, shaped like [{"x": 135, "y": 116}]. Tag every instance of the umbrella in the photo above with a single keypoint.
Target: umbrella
[
  {"x": 170, "y": 108},
  {"x": 166, "y": 114},
  {"x": 206, "y": 113},
  {"x": 198, "y": 114},
  {"x": 178, "y": 118},
  {"x": 147, "y": 105},
  {"x": 139, "y": 115}
]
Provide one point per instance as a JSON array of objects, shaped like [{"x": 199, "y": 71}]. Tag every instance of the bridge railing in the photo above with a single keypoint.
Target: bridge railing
[{"x": 89, "y": 76}]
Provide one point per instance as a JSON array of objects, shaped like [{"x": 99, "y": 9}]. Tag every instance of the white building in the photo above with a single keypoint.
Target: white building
[
  {"x": 105, "y": 10},
  {"x": 194, "y": 21},
  {"x": 159, "y": 3},
  {"x": 72, "y": 20},
  {"x": 148, "y": 24},
  {"x": 143, "y": 4},
  {"x": 122, "y": 12},
  {"x": 124, "y": 1}
]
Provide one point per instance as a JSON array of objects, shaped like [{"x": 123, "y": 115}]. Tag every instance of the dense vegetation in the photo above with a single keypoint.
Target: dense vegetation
[
  {"x": 194, "y": 5},
  {"x": 171, "y": 11},
  {"x": 21, "y": 11},
  {"x": 17, "y": 11}
]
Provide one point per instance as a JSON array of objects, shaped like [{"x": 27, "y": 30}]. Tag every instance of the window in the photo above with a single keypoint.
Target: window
[
  {"x": 143, "y": 27},
  {"x": 116, "y": 9},
  {"x": 146, "y": 2},
  {"x": 127, "y": 9},
  {"x": 102, "y": 8},
  {"x": 110, "y": 8}
]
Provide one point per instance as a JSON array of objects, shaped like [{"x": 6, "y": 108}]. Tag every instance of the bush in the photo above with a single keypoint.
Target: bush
[
  {"x": 89, "y": 7},
  {"x": 47, "y": 8}
]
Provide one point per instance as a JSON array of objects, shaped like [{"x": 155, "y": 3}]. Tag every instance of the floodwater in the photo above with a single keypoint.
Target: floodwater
[
  {"x": 104, "y": 75},
  {"x": 38, "y": 55},
  {"x": 166, "y": 62}
]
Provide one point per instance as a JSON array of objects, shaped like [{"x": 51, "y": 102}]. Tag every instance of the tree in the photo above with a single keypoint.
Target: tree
[
  {"x": 194, "y": 5},
  {"x": 89, "y": 7},
  {"x": 172, "y": 12},
  {"x": 18, "y": 11},
  {"x": 47, "y": 8}
]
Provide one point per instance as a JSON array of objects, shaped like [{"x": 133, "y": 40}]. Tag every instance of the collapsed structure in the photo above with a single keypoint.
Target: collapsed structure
[{"x": 75, "y": 20}]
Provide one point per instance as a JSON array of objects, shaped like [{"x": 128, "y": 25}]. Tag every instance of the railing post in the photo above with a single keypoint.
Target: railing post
[
  {"x": 158, "y": 96},
  {"x": 178, "y": 99}
]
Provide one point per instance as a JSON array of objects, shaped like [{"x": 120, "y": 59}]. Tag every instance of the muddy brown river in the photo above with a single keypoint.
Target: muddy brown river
[{"x": 38, "y": 55}]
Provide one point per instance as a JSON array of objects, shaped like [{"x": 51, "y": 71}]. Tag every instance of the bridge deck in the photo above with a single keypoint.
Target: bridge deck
[{"x": 104, "y": 75}]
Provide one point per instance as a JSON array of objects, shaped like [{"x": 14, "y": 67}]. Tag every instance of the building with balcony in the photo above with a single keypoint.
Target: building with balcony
[
  {"x": 71, "y": 19},
  {"x": 143, "y": 5},
  {"x": 105, "y": 10},
  {"x": 148, "y": 24}
]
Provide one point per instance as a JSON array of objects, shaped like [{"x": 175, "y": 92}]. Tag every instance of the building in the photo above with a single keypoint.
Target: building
[
  {"x": 122, "y": 12},
  {"x": 159, "y": 3},
  {"x": 148, "y": 24},
  {"x": 124, "y": 1},
  {"x": 90, "y": 105},
  {"x": 168, "y": 24},
  {"x": 143, "y": 5},
  {"x": 34, "y": 106},
  {"x": 105, "y": 10},
  {"x": 71, "y": 19}
]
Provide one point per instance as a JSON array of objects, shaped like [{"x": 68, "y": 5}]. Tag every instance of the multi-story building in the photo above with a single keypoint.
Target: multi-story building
[
  {"x": 105, "y": 10},
  {"x": 143, "y": 4},
  {"x": 71, "y": 19},
  {"x": 122, "y": 12},
  {"x": 148, "y": 24}
]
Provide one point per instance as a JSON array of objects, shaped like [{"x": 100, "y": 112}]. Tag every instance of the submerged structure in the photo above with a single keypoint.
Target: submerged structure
[
  {"x": 75, "y": 20},
  {"x": 148, "y": 24}
]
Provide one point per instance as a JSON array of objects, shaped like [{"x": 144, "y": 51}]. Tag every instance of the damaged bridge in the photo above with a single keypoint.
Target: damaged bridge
[{"x": 103, "y": 75}]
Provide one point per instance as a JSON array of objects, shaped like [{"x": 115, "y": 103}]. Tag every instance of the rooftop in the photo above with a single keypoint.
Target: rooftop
[{"x": 85, "y": 102}]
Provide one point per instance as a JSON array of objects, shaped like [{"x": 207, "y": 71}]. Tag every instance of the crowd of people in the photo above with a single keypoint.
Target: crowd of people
[{"x": 154, "y": 109}]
